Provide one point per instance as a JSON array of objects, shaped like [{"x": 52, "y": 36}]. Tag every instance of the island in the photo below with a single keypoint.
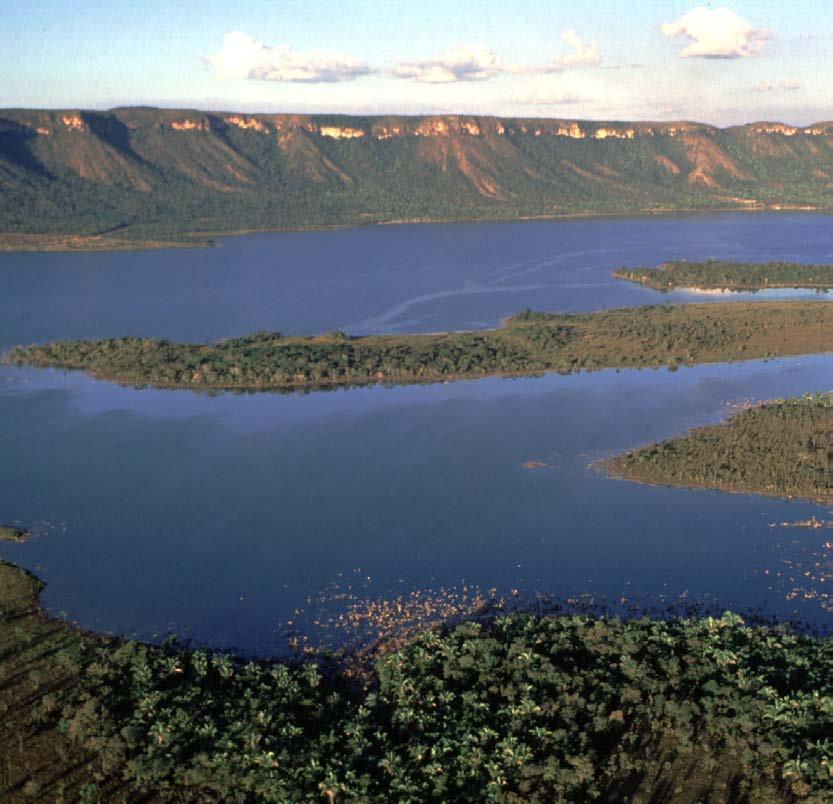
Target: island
[
  {"x": 537, "y": 707},
  {"x": 720, "y": 275},
  {"x": 781, "y": 448},
  {"x": 12, "y": 533},
  {"x": 528, "y": 343}
]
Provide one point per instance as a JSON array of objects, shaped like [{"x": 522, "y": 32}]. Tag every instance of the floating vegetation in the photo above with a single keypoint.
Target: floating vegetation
[
  {"x": 535, "y": 464},
  {"x": 812, "y": 523},
  {"x": 804, "y": 572}
]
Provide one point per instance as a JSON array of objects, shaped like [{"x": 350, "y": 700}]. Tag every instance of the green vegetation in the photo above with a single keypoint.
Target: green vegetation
[
  {"x": 42, "y": 665},
  {"x": 722, "y": 275},
  {"x": 528, "y": 343},
  {"x": 782, "y": 448},
  {"x": 567, "y": 708},
  {"x": 12, "y": 533},
  {"x": 143, "y": 175}
]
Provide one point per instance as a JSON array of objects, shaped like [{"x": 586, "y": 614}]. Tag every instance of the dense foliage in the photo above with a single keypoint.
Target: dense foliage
[
  {"x": 782, "y": 448},
  {"x": 41, "y": 666},
  {"x": 522, "y": 707},
  {"x": 723, "y": 275},
  {"x": 528, "y": 343},
  {"x": 152, "y": 174},
  {"x": 533, "y": 709}
]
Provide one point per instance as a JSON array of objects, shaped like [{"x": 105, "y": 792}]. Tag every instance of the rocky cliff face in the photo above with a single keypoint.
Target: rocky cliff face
[{"x": 178, "y": 169}]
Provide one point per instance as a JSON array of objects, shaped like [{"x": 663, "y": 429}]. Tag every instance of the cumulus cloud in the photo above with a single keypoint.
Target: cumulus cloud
[
  {"x": 582, "y": 54},
  {"x": 787, "y": 85},
  {"x": 463, "y": 63},
  {"x": 718, "y": 33},
  {"x": 243, "y": 57},
  {"x": 478, "y": 63}
]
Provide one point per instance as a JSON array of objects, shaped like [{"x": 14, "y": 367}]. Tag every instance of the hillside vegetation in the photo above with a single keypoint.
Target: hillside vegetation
[
  {"x": 725, "y": 275},
  {"x": 144, "y": 174},
  {"x": 521, "y": 708},
  {"x": 782, "y": 448},
  {"x": 528, "y": 343}
]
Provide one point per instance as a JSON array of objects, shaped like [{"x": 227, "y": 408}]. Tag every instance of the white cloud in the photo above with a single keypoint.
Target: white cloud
[
  {"x": 552, "y": 100},
  {"x": 583, "y": 54},
  {"x": 243, "y": 57},
  {"x": 463, "y": 63},
  {"x": 718, "y": 33},
  {"x": 478, "y": 63},
  {"x": 787, "y": 85}
]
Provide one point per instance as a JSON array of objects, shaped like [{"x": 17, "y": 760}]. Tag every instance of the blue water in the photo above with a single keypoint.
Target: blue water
[
  {"x": 379, "y": 279},
  {"x": 220, "y": 515}
]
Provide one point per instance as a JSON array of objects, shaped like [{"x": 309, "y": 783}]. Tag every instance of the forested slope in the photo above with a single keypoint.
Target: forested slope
[{"x": 144, "y": 172}]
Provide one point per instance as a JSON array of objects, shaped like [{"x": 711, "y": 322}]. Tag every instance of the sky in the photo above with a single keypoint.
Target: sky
[{"x": 725, "y": 64}]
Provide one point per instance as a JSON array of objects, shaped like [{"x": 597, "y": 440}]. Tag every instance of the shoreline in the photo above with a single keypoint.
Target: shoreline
[
  {"x": 695, "y": 291},
  {"x": 26, "y": 243},
  {"x": 601, "y": 466},
  {"x": 79, "y": 705}
]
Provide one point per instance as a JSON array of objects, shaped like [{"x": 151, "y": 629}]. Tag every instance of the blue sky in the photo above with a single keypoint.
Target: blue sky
[{"x": 721, "y": 63}]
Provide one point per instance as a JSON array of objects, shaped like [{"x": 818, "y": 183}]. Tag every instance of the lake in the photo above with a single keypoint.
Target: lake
[{"x": 220, "y": 516}]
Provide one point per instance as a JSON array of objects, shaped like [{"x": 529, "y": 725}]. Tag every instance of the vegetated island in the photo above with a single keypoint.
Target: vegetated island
[
  {"x": 12, "y": 533},
  {"x": 781, "y": 448},
  {"x": 528, "y": 343},
  {"x": 520, "y": 707},
  {"x": 735, "y": 276}
]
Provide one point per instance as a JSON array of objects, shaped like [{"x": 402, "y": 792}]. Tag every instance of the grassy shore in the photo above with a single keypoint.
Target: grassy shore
[
  {"x": 12, "y": 242},
  {"x": 517, "y": 708},
  {"x": 528, "y": 343},
  {"x": 736, "y": 276},
  {"x": 782, "y": 448}
]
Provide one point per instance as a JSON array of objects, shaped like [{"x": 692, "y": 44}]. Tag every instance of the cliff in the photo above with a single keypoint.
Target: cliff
[{"x": 158, "y": 172}]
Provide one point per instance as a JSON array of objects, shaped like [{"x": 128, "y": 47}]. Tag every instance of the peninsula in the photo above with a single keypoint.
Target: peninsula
[
  {"x": 782, "y": 448},
  {"x": 528, "y": 343},
  {"x": 735, "y": 276}
]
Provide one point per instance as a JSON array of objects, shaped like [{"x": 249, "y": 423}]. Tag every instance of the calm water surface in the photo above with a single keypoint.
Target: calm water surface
[{"x": 218, "y": 516}]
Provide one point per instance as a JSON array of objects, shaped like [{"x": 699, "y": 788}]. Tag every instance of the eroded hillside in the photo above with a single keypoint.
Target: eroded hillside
[{"x": 144, "y": 171}]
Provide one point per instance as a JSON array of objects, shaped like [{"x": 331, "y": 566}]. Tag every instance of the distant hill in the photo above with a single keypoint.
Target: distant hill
[{"x": 144, "y": 172}]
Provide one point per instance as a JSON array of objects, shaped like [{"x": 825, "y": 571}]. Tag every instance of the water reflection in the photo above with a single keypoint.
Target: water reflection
[{"x": 220, "y": 516}]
